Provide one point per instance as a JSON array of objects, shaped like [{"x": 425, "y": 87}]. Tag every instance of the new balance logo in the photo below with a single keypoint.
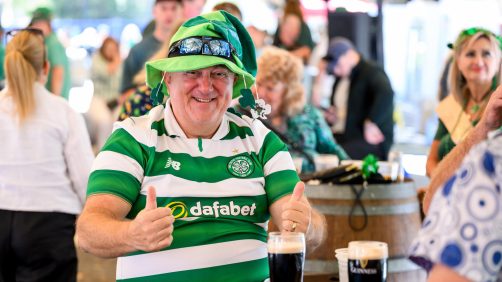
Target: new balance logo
[{"x": 174, "y": 164}]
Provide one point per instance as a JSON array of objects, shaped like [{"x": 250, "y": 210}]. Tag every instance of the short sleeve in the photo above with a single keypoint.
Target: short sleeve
[
  {"x": 119, "y": 167},
  {"x": 279, "y": 170},
  {"x": 463, "y": 228}
]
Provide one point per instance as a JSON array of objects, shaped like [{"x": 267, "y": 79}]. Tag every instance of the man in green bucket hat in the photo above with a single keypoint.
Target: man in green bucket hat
[{"x": 185, "y": 193}]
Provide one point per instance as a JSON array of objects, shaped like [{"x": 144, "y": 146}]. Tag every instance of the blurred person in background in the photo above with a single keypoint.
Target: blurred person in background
[
  {"x": 293, "y": 34},
  {"x": 106, "y": 72},
  {"x": 230, "y": 8},
  {"x": 474, "y": 75},
  {"x": 141, "y": 102},
  {"x": 460, "y": 237},
  {"x": 45, "y": 160},
  {"x": 301, "y": 126},
  {"x": 192, "y": 8},
  {"x": 165, "y": 13},
  {"x": 59, "y": 79},
  {"x": 362, "y": 102},
  {"x": 491, "y": 120}
]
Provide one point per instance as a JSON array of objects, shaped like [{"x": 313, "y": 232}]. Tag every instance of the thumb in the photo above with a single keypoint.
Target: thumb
[
  {"x": 298, "y": 192},
  {"x": 151, "y": 199}
]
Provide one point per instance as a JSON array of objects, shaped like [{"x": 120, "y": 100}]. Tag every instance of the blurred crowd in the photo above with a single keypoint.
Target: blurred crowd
[{"x": 46, "y": 143}]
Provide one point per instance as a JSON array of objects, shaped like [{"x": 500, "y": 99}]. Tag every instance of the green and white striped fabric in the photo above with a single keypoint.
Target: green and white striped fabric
[{"x": 219, "y": 190}]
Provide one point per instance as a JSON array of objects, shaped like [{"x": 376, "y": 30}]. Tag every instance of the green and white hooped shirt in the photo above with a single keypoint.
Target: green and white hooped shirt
[{"x": 219, "y": 190}]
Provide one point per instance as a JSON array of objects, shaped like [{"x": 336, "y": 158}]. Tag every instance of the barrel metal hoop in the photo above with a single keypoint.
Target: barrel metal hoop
[
  {"x": 380, "y": 191},
  {"x": 370, "y": 210}
]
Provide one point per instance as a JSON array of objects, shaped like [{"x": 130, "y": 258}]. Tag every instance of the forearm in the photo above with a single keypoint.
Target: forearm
[
  {"x": 302, "y": 52},
  {"x": 57, "y": 80},
  {"x": 102, "y": 234},
  {"x": 316, "y": 233},
  {"x": 447, "y": 166}
]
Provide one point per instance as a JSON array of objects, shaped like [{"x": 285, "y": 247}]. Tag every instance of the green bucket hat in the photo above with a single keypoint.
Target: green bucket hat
[
  {"x": 219, "y": 25},
  {"x": 41, "y": 14}
]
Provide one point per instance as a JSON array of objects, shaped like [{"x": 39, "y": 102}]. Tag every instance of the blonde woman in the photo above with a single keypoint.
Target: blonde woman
[
  {"x": 279, "y": 83},
  {"x": 474, "y": 75},
  {"x": 45, "y": 160}
]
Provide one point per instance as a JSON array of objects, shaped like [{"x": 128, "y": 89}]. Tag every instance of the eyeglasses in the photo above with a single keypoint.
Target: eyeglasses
[
  {"x": 202, "y": 45},
  {"x": 11, "y": 33}
]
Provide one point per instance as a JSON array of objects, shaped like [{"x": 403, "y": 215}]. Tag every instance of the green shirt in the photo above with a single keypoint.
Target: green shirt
[
  {"x": 219, "y": 189},
  {"x": 56, "y": 55}
]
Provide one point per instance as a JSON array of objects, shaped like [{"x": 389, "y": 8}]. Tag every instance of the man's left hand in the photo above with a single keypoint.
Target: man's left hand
[{"x": 296, "y": 213}]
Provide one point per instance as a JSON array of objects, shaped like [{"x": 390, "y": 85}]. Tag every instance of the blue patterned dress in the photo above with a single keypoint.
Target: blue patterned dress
[{"x": 463, "y": 229}]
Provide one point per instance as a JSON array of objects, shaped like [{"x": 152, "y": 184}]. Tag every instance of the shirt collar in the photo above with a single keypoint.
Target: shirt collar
[{"x": 173, "y": 128}]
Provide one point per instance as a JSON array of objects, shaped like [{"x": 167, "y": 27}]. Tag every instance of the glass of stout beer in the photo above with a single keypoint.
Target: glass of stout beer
[
  {"x": 286, "y": 256},
  {"x": 367, "y": 261}
]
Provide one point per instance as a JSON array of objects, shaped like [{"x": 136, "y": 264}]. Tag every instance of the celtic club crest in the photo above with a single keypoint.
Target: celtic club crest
[{"x": 240, "y": 166}]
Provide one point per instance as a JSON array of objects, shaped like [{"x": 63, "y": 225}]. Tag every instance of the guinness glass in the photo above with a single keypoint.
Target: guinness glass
[
  {"x": 367, "y": 261},
  {"x": 286, "y": 256}
]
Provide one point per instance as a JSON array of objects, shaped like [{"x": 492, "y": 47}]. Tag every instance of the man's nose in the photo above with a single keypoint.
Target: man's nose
[{"x": 206, "y": 82}]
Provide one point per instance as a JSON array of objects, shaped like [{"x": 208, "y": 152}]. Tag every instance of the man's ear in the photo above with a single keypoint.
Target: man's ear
[{"x": 167, "y": 77}]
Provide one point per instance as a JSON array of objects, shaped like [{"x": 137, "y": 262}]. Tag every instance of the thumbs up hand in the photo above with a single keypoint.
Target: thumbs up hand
[
  {"x": 152, "y": 228},
  {"x": 297, "y": 212}
]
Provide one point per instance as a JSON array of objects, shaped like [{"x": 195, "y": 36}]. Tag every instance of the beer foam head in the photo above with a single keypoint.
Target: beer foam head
[
  {"x": 286, "y": 248},
  {"x": 369, "y": 250}
]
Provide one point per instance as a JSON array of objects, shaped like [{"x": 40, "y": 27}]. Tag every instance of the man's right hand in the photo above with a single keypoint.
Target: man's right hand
[{"x": 152, "y": 228}]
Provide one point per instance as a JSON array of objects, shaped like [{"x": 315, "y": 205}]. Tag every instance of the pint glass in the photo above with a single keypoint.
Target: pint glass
[
  {"x": 367, "y": 261},
  {"x": 286, "y": 256}
]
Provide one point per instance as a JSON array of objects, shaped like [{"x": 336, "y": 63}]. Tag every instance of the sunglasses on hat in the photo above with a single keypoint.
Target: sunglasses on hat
[{"x": 202, "y": 45}]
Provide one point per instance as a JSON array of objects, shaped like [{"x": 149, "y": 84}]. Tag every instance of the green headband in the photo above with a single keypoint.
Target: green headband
[{"x": 472, "y": 31}]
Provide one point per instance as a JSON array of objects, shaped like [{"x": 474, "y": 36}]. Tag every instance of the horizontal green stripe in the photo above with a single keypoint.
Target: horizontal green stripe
[
  {"x": 114, "y": 182},
  {"x": 280, "y": 183},
  {"x": 199, "y": 169},
  {"x": 124, "y": 143},
  {"x": 210, "y": 231},
  {"x": 256, "y": 270}
]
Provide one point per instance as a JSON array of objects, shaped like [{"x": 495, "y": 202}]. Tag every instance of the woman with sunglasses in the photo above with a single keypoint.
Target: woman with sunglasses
[
  {"x": 45, "y": 159},
  {"x": 474, "y": 74}
]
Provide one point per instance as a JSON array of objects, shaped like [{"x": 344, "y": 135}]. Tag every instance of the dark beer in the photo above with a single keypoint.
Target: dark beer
[
  {"x": 286, "y": 267},
  {"x": 286, "y": 256},
  {"x": 367, "y": 261},
  {"x": 361, "y": 270}
]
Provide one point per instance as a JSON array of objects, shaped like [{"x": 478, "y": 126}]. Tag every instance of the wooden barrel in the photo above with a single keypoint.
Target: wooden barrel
[
  {"x": 94, "y": 269},
  {"x": 392, "y": 216}
]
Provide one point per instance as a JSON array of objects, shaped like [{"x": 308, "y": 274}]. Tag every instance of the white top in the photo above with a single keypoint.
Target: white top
[
  {"x": 45, "y": 164},
  {"x": 340, "y": 100}
]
